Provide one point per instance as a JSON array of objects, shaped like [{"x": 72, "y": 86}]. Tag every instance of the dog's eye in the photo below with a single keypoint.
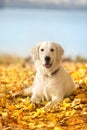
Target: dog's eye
[
  {"x": 42, "y": 49},
  {"x": 51, "y": 49}
]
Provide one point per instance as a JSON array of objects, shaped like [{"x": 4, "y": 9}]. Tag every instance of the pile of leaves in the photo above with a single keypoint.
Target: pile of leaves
[{"x": 18, "y": 113}]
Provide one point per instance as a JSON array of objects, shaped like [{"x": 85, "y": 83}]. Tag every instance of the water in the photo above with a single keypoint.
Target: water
[{"x": 21, "y": 29}]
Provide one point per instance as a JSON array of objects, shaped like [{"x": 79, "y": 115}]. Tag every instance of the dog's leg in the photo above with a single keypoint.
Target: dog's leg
[
  {"x": 54, "y": 102},
  {"x": 35, "y": 99}
]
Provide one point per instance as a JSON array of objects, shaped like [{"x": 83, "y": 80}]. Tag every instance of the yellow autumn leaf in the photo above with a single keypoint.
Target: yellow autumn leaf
[{"x": 17, "y": 112}]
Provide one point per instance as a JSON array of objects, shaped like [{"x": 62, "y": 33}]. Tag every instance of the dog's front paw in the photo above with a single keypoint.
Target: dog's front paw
[
  {"x": 51, "y": 105},
  {"x": 48, "y": 107},
  {"x": 35, "y": 100}
]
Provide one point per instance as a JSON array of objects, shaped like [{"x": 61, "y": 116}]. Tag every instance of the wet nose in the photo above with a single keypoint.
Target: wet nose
[{"x": 47, "y": 59}]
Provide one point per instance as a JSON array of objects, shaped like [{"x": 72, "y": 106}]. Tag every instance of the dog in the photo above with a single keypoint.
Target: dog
[{"x": 52, "y": 83}]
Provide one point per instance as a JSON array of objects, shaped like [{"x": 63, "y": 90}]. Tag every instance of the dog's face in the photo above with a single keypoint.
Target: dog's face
[{"x": 47, "y": 53}]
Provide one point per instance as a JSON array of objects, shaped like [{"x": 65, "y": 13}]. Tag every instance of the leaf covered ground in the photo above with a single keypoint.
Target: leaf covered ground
[{"x": 18, "y": 113}]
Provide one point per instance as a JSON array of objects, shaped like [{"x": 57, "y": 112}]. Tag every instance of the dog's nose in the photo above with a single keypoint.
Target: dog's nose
[{"x": 47, "y": 59}]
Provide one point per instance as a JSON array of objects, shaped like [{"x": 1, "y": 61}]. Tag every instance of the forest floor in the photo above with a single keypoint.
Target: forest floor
[{"x": 18, "y": 113}]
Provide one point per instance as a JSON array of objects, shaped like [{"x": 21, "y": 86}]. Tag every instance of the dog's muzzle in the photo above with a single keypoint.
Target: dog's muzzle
[
  {"x": 47, "y": 62},
  {"x": 47, "y": 59}
]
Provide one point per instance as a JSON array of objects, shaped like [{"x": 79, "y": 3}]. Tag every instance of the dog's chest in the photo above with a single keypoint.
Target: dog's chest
[
  {"x": 47, "y": 83},
  {"x": 46, "y": 86}
]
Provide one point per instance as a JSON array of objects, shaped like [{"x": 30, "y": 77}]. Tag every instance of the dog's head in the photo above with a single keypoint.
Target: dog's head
[{"x": 47, "y": 53}]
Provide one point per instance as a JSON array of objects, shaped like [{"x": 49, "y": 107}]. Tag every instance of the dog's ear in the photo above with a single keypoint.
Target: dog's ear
[
  {"x": 35, "y": 52},
  {"x": 60, "y": 52}
]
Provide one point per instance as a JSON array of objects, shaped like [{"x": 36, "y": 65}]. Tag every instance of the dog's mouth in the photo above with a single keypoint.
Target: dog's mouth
[{"x": 48, "y": 65}]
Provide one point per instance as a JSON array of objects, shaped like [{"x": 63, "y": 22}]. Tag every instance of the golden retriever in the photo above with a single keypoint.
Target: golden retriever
[{"x": 52, "y": 82}]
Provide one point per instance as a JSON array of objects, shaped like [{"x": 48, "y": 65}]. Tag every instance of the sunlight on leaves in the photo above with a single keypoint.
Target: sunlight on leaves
[{"x": 18, "y": 113}]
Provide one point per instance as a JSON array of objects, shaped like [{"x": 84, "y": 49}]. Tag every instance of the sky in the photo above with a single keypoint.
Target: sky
[{"x": 21, "y": 29}]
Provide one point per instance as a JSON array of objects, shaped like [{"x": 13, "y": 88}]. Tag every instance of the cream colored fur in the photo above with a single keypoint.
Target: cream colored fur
[{"x": 49, "y": 86}]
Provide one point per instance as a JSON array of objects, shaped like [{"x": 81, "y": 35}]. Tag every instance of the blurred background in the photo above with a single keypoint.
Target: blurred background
[{"x": 23, "y": 23}]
